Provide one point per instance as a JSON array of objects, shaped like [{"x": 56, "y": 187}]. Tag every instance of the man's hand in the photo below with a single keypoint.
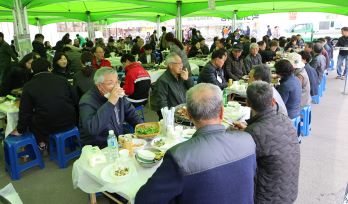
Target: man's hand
[
  {"x": 16, "y": 133},
  {"x": 115, "y": 94},
  {"x": 184, "y": 75},
  {"x": 240, "y": 125}
]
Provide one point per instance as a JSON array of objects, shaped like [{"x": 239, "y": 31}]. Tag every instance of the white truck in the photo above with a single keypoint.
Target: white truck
[{"x": 312, "y": 31}]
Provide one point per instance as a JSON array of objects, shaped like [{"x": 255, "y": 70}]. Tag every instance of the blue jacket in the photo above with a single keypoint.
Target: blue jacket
[
  {"x": 290, "y": 91},
  {"x": 98, "y": 116},
  {"x": 214, "y": 166}
]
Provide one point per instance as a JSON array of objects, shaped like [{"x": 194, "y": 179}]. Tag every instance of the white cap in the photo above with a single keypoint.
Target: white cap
[
  {"x": 111, "y": 132},
  {"x": 296, "y": 60}
]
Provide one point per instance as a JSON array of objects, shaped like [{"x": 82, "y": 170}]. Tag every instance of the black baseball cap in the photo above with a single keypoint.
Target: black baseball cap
[{"x": 238, "y": 47}]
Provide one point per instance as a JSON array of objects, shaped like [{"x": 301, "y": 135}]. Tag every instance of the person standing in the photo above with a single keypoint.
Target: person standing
[
  {"x": 269, "y": 31},
  {"x": 176, "y": 46},
  {"x": 343, "y": 54},
  {"x": 6, "y": 54},
  {"x": 38, "y": 45}
]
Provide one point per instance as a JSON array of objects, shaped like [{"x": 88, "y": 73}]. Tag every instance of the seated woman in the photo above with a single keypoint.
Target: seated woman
[
  {"x": 48, "y": 104},
  {"x": 195, "y": 50},
  {"x": 19, "y": 74},
  {"x": 61, "y": 65},
  {"x": 83, "y": 79}
]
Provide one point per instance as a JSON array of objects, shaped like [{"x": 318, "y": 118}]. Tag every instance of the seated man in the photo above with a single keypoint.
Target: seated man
[
  {"x": 312, "y": 74},
  {"x": 104, "y": 108},
  {"x": 48, "y": 104},
  {"x": 137, "y": 82},
  {"x": 253, "y": 58},
  {"x": 263, "y": 73},
  {"x": 318, "y": 62},
  {"x": 99, "y": 60},
  {"x": 277, "y": 148},
  {"x": 170, "y": 89},
  {"x": 215, "y": 166},
  {"x": 212, "y": 72},
  {"x": 204, "y": 47},
  {"x": 147, "y": 58},
  {"x": 234, "y": 65}
]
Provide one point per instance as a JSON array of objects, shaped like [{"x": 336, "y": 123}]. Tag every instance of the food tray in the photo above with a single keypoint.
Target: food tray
[
  {"x": 180, "y": 119},
  {"x": 147, "y": 125}
]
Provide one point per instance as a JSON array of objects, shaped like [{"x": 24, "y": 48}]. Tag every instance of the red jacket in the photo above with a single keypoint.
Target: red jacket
[
  {"x": 134, "y": 85},
  {"x": 103, "y": 63}
]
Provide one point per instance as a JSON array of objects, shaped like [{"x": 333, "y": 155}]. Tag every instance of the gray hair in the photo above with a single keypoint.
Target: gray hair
[
  {"x": 259, "y": 95},
  {"x": 99, "y": 74},
  {"x": 262, "y": 72},
  {"x": 171, "y": 58},
  {"x": 204, "y": 101},
  {"x": 254, "y": 45}
]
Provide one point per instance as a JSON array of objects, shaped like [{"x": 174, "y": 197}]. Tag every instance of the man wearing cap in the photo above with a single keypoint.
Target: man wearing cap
[
  {"x": 234, "y": 65},
  {"x": 300, "y": 72}
]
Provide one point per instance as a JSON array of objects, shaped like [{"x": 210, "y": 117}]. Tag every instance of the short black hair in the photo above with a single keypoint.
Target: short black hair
[
  {"x": 310, "y": 45},
  {"x": 218, "y": 53},
  {"x": 40, "y": 65},
  {"x": 306, "y": 56},
  {"x": 28, "y": 57},
  {"x": 253, "y": 40},
  {"x": 284, "y": 68},
  {"x": 164, "y": 28},
  {"x": 89, "y": 43},
  {"x": 215, "y": 38},
  {"x": 39, "y": 35},
  {"x": 260, "y": 43},
  {"x": 128, "y": 57},
  {"x": 1, "y": 35},
  {"x": 259, "y": 95},
  {"x": 262, "y": 72},
  {"x": 57, "y": 57},
  {"x": 147, "y": 47}
]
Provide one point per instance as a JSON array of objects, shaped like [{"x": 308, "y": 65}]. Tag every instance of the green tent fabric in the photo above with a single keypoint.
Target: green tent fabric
[{"x": 51, "y": 11}]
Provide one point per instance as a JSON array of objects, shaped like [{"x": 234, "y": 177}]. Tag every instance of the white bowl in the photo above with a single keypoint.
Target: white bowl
[{"x": 146, "y": 154}]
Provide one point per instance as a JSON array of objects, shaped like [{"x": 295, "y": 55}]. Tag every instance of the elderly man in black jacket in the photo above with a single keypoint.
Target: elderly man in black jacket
[
  {"x": 277, "y": 148},
  {"x": 104, "y": 108},
  {"x": 212, "y": 72},
  {"x": 234, "y": 65},
  {"x": 171, "y": 87},
  {"x": 6, "y": 53}
]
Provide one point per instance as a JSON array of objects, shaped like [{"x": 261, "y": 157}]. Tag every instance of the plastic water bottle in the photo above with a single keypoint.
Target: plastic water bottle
[
  {"x": 112, "y": 146},
  {"x": 225, "y": 97}
]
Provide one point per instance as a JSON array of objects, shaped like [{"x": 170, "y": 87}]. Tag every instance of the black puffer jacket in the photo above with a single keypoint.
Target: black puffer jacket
[{"x": 277, "y": 156}]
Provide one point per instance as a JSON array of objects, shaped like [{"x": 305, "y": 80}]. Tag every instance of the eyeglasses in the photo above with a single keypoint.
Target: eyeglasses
[
  {"x": 180, "y": 63},
  {"x": 111, "y": 83}
]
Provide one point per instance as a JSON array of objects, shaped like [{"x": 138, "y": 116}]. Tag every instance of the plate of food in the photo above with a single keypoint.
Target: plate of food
[
  {"x": 181, "y": 115},
  {"x": 114, "y": 173},
  {"x": 187, "y": 133}
]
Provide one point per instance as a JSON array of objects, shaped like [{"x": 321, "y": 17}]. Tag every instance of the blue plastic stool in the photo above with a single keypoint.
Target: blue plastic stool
[
  {"x": 58, "y": 143},
  {"x": 306, "y": 119},
  {"x": 324, "y": 80},
  {"x": 296, "y": 122},
  {"x": 11, "y": 147},
  {"x": 331, "y": 65},
  {"x": 320, "y": 89},
  {"x": 316, "y": 99}
]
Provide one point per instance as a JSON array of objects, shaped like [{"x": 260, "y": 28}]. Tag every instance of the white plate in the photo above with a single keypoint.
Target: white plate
[
  {"x": 157, "y": 139},
  {"x": 187, "y": 133},
  {"x": 138, "y": 142},
  {"x": 108, "y": 173}
]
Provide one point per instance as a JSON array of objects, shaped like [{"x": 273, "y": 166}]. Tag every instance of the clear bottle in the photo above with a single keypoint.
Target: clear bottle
[
  {"x": 225, "y": 97},
  {"x": 112, "y": 146}
]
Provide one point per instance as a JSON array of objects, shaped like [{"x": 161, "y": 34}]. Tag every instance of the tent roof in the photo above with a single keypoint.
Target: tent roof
[{"x": 50, "y": 11}]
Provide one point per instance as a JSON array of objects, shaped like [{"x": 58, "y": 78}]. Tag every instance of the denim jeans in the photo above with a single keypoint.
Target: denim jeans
[{"x": 340, "y": 61}]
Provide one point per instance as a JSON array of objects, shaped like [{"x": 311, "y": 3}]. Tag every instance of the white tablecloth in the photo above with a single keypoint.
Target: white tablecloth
[{"x": 11, "y": 112}]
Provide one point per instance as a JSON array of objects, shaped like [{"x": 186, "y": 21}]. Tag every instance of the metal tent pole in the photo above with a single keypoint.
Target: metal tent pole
[
  {"x": 178, "y": 21},
  {"x": 158, "y": 22},
  {"x": 90, "y": 27},
  {"x": 21, "y": 28},
  {"x": 345, "y": 83},
  {"x": 38, "y": 25},
  {"x": 234, "y": 18}
]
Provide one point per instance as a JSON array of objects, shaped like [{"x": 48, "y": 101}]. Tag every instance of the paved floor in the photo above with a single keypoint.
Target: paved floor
[{"x": 324, "y": 161}]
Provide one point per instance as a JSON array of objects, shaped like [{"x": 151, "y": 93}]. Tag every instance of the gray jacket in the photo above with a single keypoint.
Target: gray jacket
[
  {"x": 250, "y": 61},
  {"x": 319, "y": 64},
  {"x": 234, "y": 68},
  {"x": 277, "y": 156},
  {"x": 306, "y": 98}
]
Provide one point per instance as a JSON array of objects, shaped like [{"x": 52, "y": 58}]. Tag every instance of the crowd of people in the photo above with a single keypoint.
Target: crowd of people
[{"x": 98, "y": 101}]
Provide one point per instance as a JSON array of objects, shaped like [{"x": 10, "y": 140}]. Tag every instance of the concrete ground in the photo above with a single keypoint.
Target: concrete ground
[{"x": 324, "y": 160}]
